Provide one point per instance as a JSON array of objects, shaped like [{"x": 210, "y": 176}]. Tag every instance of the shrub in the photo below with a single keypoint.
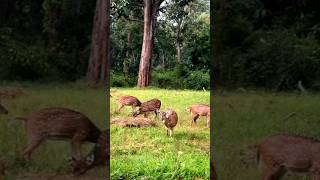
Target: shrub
[
  {"x": 119, "y": 80},
  {"x": 193, "y": 80},
  {"x": 197, "y": 80},
  {"x": 279, "y": 59},
  {"x": 164, "y": 79},
  {"x": 23, "y": 61}
]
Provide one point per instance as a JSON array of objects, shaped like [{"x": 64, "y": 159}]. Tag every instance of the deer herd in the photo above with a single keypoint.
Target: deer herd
[{"x": 169, "y": 117}]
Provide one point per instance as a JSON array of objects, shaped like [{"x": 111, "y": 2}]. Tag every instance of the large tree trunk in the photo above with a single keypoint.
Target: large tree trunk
[
  {"x": 129, "y": 53},
  {"x": 178, "y": 52},
  {"x": 100, "y": 46},
  {"x": 150, "y": 9},
  {"x": 178, "y": 41}
]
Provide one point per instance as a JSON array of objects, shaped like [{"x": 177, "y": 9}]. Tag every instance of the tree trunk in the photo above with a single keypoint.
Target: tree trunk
[
  {"x": 178, "y": 42},
  {"x": 100, "y": 46},
  {"x": 150, "y": 9},
  {"x": 163, "y": 65},
  {"x": 178, "y": 53},
  {"x": 129, "y": 53}
]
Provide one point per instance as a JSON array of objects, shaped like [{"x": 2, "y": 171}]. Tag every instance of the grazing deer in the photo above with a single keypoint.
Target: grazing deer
[
  {"x": 198, "y": 110},
  {"x": 128, "y": 101},
  {"x": 59, "y": 124},
  {"x": 100, "y": 155},
  {"x": 282, "y": 154},
  {"x": 170, "y": 120},
  {"x": 152, "y": 105},
  {"x": 3, "y": 110}
]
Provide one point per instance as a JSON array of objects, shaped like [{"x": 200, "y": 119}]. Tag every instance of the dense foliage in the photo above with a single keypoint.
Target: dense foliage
[
  {"x": 45, "y": 39},
  {"x": 50, "y": 40},
  {"x": 270, "y": 44},
  {"x": 127, "y": 33}
]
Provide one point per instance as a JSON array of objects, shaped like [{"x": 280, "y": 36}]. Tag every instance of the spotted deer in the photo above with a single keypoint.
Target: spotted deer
[
  {"x": 170, "y": 120},
  {"x": 59, "y": 124},
  {"x": 152, "y": 105},
  {"x": 198, "y": 110},
  {"x": 282, "y": 154},
  {"x": 128, "y": 101}
]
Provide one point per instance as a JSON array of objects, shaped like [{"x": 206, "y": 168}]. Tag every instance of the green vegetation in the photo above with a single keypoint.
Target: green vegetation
[
  {"x": 51, "y": 157},
  {"x": 266, "y": 44},
  {"x": 148, "y": 153},
  {"x": 180, "y": 23},
  {"x": 243, "y": 119},
  {"x": 45, "y": 40}
]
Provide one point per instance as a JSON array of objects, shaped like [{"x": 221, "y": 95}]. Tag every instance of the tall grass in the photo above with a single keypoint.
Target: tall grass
[
  {"x": 242, "y": 120},
  {"x": 148, "y": 153}
]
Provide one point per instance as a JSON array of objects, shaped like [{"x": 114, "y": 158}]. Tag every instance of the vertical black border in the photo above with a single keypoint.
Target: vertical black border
[
  {"x": 213, "y": 173},
  {"x": 108, "y": 88}
]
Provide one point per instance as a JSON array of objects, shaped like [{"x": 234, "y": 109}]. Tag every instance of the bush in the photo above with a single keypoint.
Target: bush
[
  {"x": 22, "y": 61},
  {"x": 169, "y": 79},
  {"x": 119, "y": 80},
  {"x": 279, "y": 59},
  {"x": 164, "y": 79},
  {"x": 197, "y": 80}
]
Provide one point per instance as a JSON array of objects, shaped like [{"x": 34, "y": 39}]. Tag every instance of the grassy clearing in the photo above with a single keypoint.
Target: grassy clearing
[
  {"x": 51, "y": 156},
  {"x": 147, "y": 153},
  {"x": 242, "y": 120}
]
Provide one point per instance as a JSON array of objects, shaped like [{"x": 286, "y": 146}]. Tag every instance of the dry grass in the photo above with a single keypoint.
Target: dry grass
[{"x": 134, "y": 122}]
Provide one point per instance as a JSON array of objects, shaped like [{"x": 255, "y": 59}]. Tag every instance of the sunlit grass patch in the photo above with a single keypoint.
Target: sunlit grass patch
[{"x": 148, "y": 153}]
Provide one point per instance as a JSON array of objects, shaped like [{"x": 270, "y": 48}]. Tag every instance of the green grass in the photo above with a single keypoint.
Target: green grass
[
  {"x": 51, "y": 156},
  {"x": 242, "y": 120},
  {"x": 148, "y": 153}
]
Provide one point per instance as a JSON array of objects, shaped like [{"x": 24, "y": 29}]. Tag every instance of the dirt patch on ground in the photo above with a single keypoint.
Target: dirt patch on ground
[{"x": 134, "y": 122}]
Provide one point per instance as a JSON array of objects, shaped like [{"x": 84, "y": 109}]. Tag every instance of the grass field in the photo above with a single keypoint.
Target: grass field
[
  {"x": 242, "y": 120},
  {"x": 49, "y": 161},
  {"x": 147, "y": 153}
]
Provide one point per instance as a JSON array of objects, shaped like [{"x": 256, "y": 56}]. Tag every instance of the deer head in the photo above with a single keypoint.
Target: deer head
[{"x": 98, "y": 156}]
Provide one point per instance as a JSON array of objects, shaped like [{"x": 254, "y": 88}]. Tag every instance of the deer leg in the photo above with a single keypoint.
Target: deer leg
[
  {"x": 194, "y": 118},
  {"x": 167, "y": 133},
  {"x": 31, "y": 147},
  {"x": 133, "y": 108},
  {"x": 120, "y": 107},
  {"x": 76, "y": 143},
  {"x": 156, "y": 112},
  {"x": 208, "y": 121},
  {"x": 171, "y": 132},
  {"x": 275, "y": 173}
]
